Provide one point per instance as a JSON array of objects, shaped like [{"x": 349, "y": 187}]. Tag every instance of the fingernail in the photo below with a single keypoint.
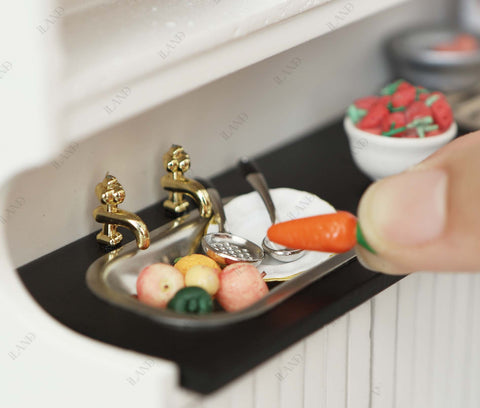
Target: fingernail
[{"x": 408, "y": 209}]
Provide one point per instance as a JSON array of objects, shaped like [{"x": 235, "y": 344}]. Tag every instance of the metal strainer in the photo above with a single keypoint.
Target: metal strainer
[{"x": 225, "y": 248}]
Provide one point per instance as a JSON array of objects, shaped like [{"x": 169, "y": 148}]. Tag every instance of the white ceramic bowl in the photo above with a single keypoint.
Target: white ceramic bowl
[{"x": 380, "y": 156}]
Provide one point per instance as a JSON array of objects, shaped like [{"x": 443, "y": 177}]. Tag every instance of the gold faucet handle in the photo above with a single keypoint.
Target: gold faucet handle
[
  {"x": 176, "y": 161},
  {"x": 110, "y": 191}
]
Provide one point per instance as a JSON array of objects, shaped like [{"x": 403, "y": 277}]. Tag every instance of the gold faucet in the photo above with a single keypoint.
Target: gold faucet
[
  {"x": 111, "y": 193},
  {"x": 177, "y": 162}
]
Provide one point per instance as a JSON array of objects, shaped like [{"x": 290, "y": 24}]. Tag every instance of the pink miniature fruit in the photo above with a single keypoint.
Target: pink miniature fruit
[
  {"x": 404, "y": 97},
  {"x": 423, "y": 96},
  {"x": 374, "y": 117},
  {"x": 433, "y": 133},
  {"x": 405, "y": 85},
  {"x": 385, "y": 100},
  {"x": 366, "y": 103},
  {"x": 241, "y": 285},
  {"x": 393, "y": 121},
  {"x": 158, "y": 283},
  {"x": 410, "y": 134},
  {"x": 375, "y": 131},
  {"x": 442, "y": 114},
  {"x": 417, "y": 110}
]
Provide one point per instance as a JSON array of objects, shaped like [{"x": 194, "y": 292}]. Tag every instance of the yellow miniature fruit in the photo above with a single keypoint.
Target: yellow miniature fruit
[
  {"x": 185, "y": 263},
  {"x": 204, "y": 277}
]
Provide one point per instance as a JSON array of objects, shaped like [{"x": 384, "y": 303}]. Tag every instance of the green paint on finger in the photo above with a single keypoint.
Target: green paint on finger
[{"x": 362, "y": 241}]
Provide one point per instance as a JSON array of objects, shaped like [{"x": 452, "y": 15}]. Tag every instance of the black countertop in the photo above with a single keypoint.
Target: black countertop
[{"x": 210, "y": 358}]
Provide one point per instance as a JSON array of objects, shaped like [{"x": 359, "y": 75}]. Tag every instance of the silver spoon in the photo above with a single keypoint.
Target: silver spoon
[
  {"x": 225, "y": 248},
  {"x": 256, "y": 179}
]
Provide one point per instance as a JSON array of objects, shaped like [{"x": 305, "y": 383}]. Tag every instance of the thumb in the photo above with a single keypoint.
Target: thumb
[{"x": 428, "y": 217}]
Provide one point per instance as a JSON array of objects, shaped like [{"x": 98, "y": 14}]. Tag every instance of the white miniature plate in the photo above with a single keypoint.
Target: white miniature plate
[{"x": 248, "y": 218}]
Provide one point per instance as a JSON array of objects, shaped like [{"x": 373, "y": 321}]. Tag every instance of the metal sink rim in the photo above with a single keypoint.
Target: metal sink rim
[{"x": 96, "y": 279}]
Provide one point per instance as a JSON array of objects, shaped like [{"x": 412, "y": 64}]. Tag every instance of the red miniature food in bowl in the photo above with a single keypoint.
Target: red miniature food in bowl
[
  {"x": 462, "y": 42},
  {"x": 402, "y": 110},
  {"x": 398, "y": 128}
]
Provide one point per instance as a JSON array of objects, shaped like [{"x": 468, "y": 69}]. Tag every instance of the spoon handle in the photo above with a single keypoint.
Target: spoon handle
[
  {"x": 218, "y": 207},
  {"x": 255, "y": 178}
]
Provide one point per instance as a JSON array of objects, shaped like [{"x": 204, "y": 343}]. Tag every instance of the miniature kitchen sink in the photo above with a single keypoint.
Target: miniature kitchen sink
[
  {"x": 104, "y": 310},
  {"x": 113, "y": 276}
]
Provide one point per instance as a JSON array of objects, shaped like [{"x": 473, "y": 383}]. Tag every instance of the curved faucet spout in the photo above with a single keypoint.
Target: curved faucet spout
[
  {"x": 190, "y": 187},
  {"x": 112, "y": 219}
]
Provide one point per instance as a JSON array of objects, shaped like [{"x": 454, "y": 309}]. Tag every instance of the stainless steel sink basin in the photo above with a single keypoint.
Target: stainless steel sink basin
[{"x": 113, "y": 276}]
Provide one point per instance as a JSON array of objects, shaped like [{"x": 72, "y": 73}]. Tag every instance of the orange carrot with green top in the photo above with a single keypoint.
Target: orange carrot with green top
[{"x": 336, "y": 232}]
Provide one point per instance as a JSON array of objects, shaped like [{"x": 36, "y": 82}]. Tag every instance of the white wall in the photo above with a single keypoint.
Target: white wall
[{"x": 332, "y": 70}]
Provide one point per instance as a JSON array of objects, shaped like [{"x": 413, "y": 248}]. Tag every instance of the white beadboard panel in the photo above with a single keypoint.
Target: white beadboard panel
[
  {"x": 473, "y": 394},
  {"x": 422, "y": 361},
  {"x": 238, "y": 394},
  {"x": 267, "y": 384},
  {"x": 337, "y": 363},
  {"x": 219, "y": 399},
  {"x": 405, "y": 340},
  {"x": 358, "y": 357},
  {"x": 384, "y": 327},
  {"x": 460, "y": 333},
  {"x": 472, "y": 315},
  {"x": 316, "y": 370},
  {"x": 444, "y": 301},
  {"x": 242, "y": 392},
  {"x": 292, "y": 376},
  {"x": 181, "y": 398}
]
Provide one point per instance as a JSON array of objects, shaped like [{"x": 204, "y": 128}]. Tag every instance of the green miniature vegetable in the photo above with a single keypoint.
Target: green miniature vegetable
[{"x": 191, "y": 299}]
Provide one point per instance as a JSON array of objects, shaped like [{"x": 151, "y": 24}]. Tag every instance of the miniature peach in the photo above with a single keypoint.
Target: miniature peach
[
  {"x": 158, "y": 283},
  {"x": 204, "y": 277},
  {"x": 241, "y": 285},
  {"x": 185, "y": 263}
]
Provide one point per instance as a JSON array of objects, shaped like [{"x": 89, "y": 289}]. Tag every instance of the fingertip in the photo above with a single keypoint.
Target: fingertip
[{"x": 375, "y": 263}]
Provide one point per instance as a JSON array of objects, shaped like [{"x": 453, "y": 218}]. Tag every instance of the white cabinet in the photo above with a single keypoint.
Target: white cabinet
[{"x": 125, "y": 79}]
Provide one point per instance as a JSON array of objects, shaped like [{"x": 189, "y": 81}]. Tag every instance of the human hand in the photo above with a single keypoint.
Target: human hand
[{"x": 428, "y": 217}]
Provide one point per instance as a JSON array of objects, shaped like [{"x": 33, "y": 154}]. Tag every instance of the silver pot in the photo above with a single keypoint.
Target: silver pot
[{"x": 413, "y": 58}]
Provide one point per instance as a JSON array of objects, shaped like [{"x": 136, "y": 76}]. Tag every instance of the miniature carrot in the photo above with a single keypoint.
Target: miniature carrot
[{"x": 336, "y": 232}]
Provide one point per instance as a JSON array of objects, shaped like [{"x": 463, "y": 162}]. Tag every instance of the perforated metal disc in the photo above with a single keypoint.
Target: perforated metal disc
[{"x": 227, "y": 249}]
